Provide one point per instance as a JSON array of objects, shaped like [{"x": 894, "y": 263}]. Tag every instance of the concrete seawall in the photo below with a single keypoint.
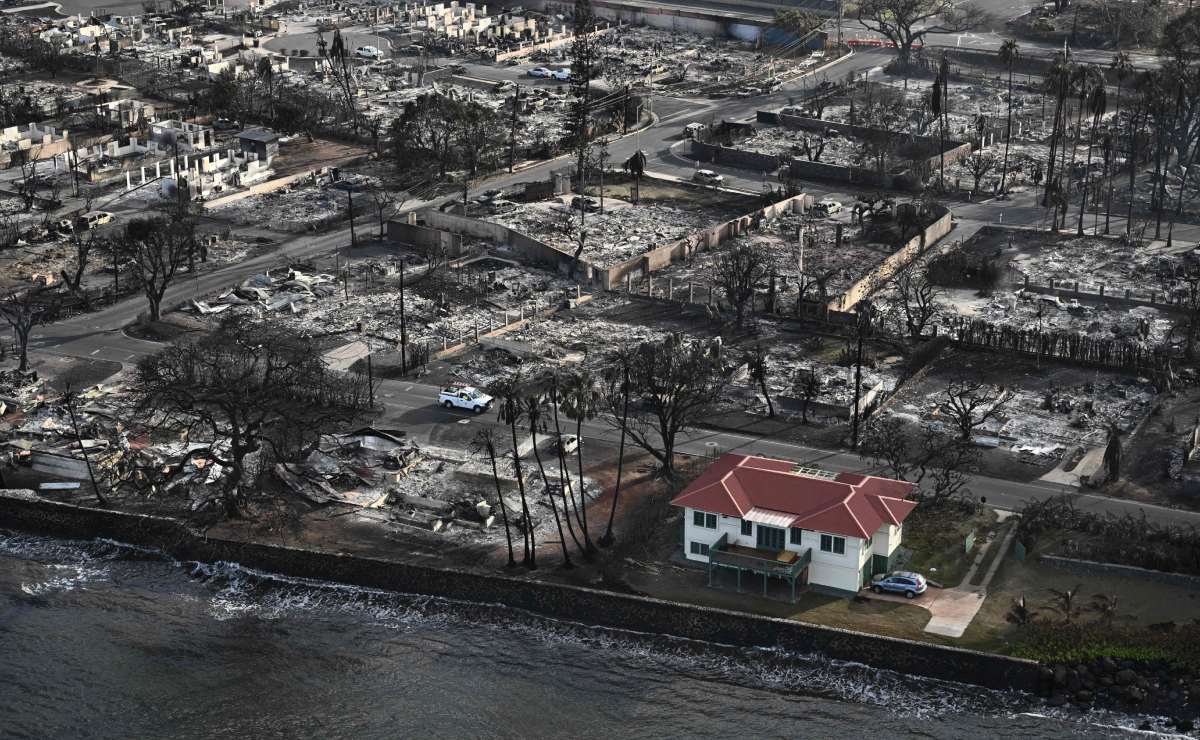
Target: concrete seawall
[{"x": 25, "y": 511}]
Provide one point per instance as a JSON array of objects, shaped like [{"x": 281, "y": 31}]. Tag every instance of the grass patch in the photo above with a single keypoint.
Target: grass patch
[
  {"x": 993, "y": 551},
  {"x": 937, "y": 538},
  {"x": 1068, "y": 643}
]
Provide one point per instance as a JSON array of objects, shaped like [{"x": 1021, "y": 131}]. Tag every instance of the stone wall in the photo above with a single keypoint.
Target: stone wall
[
  {"x": 954, "y": 149},
  {"x": 424, "y": 238},
  {"x": 733, "y": 157},
  {"x": 23, "y": 510},
  {"x": 527, "y": 247},
  {"x": 662, "y": 257},
  {"x": 894, "y": 262},
  {"x": 1096, "y": 568}
]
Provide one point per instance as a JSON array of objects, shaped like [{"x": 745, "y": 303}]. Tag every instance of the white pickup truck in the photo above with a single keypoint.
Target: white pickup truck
[{"x": 465, "y": 397}]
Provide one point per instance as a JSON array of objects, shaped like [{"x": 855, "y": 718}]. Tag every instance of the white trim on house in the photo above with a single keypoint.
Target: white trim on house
[{"x": 841, "y": 571}]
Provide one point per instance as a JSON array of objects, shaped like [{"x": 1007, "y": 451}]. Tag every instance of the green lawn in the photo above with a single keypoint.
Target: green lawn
[{"x": 937, "y": 540}]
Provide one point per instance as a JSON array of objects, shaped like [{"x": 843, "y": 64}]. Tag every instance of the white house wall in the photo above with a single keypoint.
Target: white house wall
[
  {"x": 887, "y": 539},
  {"x": 842, "y": 572}
]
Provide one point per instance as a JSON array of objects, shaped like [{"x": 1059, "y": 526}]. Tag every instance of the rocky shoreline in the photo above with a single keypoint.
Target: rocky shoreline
[{"x": 1148, "y": 687}]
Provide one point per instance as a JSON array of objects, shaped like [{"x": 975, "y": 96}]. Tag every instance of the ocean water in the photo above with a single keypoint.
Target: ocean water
[{"x": 101, "y": 640}]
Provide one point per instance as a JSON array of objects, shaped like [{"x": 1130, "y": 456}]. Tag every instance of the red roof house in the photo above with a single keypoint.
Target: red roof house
[
  {"x": 755, "y": 488},
  {"x": 780, "y": 519}
]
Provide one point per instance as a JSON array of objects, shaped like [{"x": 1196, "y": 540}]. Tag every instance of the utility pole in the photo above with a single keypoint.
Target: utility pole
[
  {"x": 512, "y": 138},
  {"x": 353, "y": 236},
  {"x": 403, "y": 327},
  {"x": 71, "y": 400},
  {"x": 864, "y": 325},
  {"x": 839, "y": 23},
  {"x": 370, "y": 376}
]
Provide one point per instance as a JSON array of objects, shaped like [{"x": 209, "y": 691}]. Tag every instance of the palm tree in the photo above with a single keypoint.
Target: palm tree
[
  {"x": 1122, "y": 68},
  {"x": 1065, "y": 603},
  {"x": 943, "y": 98},
  {"x": 485, "y": 441},
  {"x": 1019, "y": 613},
  {"x": 266, "y": 72},
  {"x": 1097, "y": 105},
  {"x": 1009, "y": 51},
  {"x": 607, "y": 539},
  {"x": 511, "y": 411},
  {"x": 1105, "y": 606},
  {"x": 1083, "y": 81},
  {"x": 1057, "y": 82},
  {"x": 566, "y": 488},
  {"x": 534, "y": 404},
  {"x": 581, "y": 401},
  {"x": 1145, "y": 87}
]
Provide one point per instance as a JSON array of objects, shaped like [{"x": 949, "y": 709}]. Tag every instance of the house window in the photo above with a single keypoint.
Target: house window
[
  {"x": 747, "y": 528},
  {"x": 795, "y": 535},
  {"x": 835, "y": 545},
  {"x": 699, "y": 548},
  {"x": 704, "y": 519},
  {"x": 770, "y": 538}
]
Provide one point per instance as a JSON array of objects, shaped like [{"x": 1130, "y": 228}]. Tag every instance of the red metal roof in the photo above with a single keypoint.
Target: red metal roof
[{"x": 848, "y": 504}]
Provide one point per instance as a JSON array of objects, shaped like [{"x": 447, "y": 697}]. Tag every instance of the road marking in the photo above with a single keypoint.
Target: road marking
[{"x": 95, "y": 351}]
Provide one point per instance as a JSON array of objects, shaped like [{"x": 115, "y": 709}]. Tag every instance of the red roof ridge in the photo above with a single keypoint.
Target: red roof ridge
[{"x": 849, "y": 504}]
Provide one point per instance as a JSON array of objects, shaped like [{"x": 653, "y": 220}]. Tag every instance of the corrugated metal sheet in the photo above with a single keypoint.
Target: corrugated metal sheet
[
  {"x": 770, "y": 518},
  {"x": 60, "y": 466}
]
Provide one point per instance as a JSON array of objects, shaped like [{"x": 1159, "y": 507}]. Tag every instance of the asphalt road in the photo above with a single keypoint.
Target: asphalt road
[{"x": 413, "y": 407}]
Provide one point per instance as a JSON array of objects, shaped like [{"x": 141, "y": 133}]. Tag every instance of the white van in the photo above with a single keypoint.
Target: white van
[{"x": 92, "y": 219}]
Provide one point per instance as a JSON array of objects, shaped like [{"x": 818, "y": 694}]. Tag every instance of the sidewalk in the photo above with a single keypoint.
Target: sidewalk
[{"x": 953, "y": 609}]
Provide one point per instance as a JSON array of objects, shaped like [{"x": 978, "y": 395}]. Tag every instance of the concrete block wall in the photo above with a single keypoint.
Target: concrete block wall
[
  {"x": 657, "y": 259},
  {"x": 734, "y": 157},
  {"x": 425, "y": 238},
  {"x": 25, "y": 511},
  {"x": 892, "y": 264},
  {"x": 529, "y": 248}
]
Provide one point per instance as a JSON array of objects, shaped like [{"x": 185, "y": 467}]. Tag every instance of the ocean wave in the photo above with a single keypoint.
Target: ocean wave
[{"x": 237, "y": 592}]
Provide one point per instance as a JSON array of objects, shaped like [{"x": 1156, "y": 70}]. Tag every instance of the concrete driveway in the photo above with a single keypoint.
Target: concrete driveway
[{"x": 952, "y": 609}]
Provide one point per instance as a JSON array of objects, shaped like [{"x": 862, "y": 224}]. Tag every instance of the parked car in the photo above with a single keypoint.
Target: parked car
[
  {"x": 539, "y": 72},
  {"x": 582, "y": 203},
  {"x": 901, "y": 582},
  {"x": 224, "y": 124},
  {"x": 827, "y": 207},
  {"x": 708, "y": 177},
  {"x": 790, "y": 110},
  {"x": 65, "y": 226},
  {"x": 465, "y": 397},
  {"x": 458, "y": 69},
  {"x": 369, "y": 52},
  {"x": 562, "y": 75}
]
